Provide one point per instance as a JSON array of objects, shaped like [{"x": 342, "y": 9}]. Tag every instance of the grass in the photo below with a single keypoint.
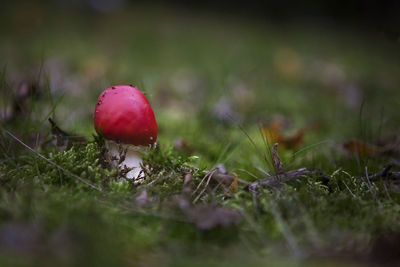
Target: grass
[{"x": 213, "y": 82}]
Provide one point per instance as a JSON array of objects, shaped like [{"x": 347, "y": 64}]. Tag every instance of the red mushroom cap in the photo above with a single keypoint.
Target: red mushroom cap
[{"x": 123, "y": 114}]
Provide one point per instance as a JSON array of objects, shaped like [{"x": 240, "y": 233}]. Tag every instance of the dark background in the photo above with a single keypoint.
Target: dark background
[
  {"x": 368, "y": 15},
  {"x": 366, "y": 12},
  {"x": 371, "y": 15}
]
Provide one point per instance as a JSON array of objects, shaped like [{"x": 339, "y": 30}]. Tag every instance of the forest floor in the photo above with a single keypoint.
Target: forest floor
[{"x": 217, "y": 191}]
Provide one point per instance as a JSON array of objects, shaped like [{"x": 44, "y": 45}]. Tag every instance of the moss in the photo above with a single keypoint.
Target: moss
[{"x": 166, "y": 169}]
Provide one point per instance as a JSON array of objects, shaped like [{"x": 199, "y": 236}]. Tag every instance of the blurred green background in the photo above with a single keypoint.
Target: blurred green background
[{"x": 204, "y": 72}]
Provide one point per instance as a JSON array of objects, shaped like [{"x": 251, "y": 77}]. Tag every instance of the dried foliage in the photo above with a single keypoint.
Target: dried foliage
[{"x": 274, "y": 134}]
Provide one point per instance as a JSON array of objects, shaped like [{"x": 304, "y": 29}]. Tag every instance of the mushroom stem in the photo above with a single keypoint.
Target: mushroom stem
[{"x": 133, "y": 158}]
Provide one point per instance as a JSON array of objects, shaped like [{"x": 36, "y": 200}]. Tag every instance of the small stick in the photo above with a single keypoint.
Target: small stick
[
  {"x": 205, "y": 187},
  {"x": 276, "y": 180},
  {"x": 385, "y": 173},
  {"x": 201, "y": 182}
]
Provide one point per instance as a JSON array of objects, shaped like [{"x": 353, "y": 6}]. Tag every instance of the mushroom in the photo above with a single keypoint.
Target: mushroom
[{"x": 125, "y": 119}]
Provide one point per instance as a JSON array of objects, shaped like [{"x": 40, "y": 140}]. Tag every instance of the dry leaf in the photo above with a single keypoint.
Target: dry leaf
[
  {"x": 273, "y": 134},
  {"x": 276, "y": 161},
  {"x": 234, "y": 187},
  {"x": 388, "y": 147},
  {"x": 292, "y": 141},
  {"x": 354, "y": 146}
]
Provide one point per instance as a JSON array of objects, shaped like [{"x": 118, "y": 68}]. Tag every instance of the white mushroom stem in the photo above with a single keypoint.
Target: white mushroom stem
[{"x": 133, "y": 158}]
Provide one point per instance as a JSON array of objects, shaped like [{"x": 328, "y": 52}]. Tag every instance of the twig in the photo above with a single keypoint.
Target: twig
[
  {"x": 275, "y": 181},
  {"x": 52, "y": 163},
  {"x": 276, "y": 161},
  {"x": 385, "y": 173},
  {"x": 205, "y": 187},
  {"x": 272, "y": 181},
  {"x": 201, "y": 182}
]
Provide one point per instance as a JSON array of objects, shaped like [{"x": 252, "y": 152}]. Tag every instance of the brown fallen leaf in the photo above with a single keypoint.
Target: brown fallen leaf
[
  {"x": 272, "y": 131},
  {"x": 386, "y": 147},
  {"x": 354, "y": 146},
  {"x": 273, "y": 134},
  {"x": 234, "y": 187},
  {"x": 292, "y": 141}
]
